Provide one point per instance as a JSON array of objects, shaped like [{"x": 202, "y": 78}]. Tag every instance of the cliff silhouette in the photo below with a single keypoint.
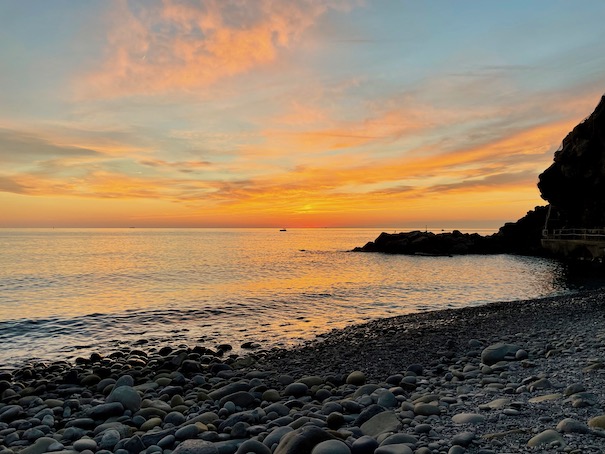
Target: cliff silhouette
[{"x": 573, "y": 186}]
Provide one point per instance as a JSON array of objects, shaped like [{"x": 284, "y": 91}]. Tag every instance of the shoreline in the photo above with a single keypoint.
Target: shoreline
[
  {"x": 417, "y": 383},
  {"x": 423, "y": 331}
]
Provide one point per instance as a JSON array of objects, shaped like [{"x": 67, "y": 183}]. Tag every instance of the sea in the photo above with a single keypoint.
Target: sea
[{"x": 66, "y": 293}]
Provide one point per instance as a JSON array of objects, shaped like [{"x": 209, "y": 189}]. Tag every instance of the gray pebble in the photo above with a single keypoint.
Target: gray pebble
[{"x": 331, "y": 447}]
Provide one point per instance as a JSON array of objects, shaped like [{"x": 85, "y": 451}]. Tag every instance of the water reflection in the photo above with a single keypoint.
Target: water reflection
[{"x": 101, "y": 288}]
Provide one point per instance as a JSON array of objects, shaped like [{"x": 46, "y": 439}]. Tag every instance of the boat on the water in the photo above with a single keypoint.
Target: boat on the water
[{"x": 282, "y": 230}]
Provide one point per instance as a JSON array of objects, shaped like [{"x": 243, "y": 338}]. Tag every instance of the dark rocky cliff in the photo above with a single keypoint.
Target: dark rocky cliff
[{"x": 574, "y": 184}]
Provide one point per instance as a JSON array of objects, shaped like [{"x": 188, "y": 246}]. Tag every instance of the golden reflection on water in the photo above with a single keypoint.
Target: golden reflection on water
[{"x": 237, "y": 284}]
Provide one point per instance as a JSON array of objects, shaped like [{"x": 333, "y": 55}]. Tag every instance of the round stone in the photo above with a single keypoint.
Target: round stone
[
  {"x": 125, "y": 380},
  {"x": 175, "y": 417},
  {"x": 335, "y": 420},
  {"x": 364, "y": 445},
  {"x": 570, "y": 425},
  {"x": 468, "y": 418},
  {"x": 498, "y": 352},
  {"x": 331, "y": 447},
  {"x": 456, "y": 449},
  {"x": 422, "y": 428},
  {"x": 356, "y": 378},
  {"x": 109, "y": 439},
  {"x": 85, "y": 443},
  {"x": 598, "y": 422},
  {"x": 271, "y": 395},
  {"x": 548, "y": 437},
  {"x": 463, "y": 439},
  {"x": 394, "y": 449},
  {"x": 127, "y": 396},
  {"x": 296, "y": 390},
  {"x": 521, "y": 355},
  {"x": 386, "y": 398},
  {"x": 151, "y": 423},
  {"x": 253, "y": 446},
  {"x": 187, "y": 432},
  {"x": 400, "y": 438},
  {"x": 574, "y": 389},
  {"x": 425, "y": 409},
  {"x": 416, "y": 369},
  {"x": 276, "y": 435}
]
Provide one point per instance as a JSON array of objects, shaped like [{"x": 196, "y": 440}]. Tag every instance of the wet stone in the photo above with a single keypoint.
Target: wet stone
[
  {"x": 382, "y": 422},
  {"x": 463, "y": 438},
  {"x": 425, "y": 409},
  {"x": 547, "y": 437},
  {"x": 356, "y": 378},
  {"x": 394, "y": 449},
  {"x": 468, "y": 418},
  {"x": 570, "y": 425},
  {"x": 331, "y": 447},
  {"x": 196, "y": 447},
  {"x": 84, "y": 444}
]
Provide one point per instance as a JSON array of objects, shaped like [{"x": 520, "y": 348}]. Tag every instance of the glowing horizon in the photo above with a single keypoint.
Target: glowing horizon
[{"x": 297, "y": 114}]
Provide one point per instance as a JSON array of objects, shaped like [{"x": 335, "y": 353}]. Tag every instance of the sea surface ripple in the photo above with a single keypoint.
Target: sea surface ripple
[{"x": 69, "y": 292}]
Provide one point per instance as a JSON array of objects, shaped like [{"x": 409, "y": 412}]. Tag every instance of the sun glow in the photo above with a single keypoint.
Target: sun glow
[{"x": 220, "y": 113}]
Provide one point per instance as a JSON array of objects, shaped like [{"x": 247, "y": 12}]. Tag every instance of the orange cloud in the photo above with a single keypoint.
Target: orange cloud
[{"x": 187, "y": 45}]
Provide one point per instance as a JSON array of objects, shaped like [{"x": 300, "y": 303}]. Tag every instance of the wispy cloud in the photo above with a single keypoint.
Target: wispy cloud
[{"x": 174, "y": 45}]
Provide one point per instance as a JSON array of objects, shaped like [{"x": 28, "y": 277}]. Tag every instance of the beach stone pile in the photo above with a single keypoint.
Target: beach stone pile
[{"x": 510, "y": 390}]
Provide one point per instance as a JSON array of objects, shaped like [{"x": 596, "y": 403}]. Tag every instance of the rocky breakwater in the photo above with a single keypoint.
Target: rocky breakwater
[
  {"x": 503, "y": 391},
  {"x": 521, "y": 237},
  {"x": 429, "y": 243}
]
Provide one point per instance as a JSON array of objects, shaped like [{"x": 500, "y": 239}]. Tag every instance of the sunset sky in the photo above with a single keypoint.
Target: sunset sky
[{"x": 279, "y": 113}]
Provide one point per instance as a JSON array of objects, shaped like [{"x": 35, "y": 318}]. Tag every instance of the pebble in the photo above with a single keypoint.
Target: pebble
[
  {"x": 85, "y": 444},
  {"x": 498, "y": 352},
  {"x": 547, "y": 437},
  {"x": 468, "y": 418},
  {"x": 463, "y": 438},
  {"x": 331, "y": 447},
  {"x": 109, "y": 439},
  {"x": 127, "y": 396},
  {"x": 383, "y": 422},
  {"x": 456, "y": 449},
  {"x": 356, "y": 378},
  {"x": 364, "y": 444},
  {"x": 472, "y": 399},
  {"x": 425, "y": 409},
  {"x": 296, "y": 390},
  {"x": 597, "y": 422},
  {"x": 570, "y": 425},
  {"x": 394, "y": 449}
]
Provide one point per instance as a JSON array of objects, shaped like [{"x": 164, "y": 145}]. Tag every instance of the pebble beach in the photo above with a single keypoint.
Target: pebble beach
[{"x": 513, "y": 377}]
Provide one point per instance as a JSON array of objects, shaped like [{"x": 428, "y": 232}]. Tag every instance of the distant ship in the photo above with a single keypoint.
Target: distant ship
[{"x": 282, "y": 230}]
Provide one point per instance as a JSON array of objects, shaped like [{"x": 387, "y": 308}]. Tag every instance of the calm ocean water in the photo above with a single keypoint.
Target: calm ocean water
[{"x": 68, "y": 292}]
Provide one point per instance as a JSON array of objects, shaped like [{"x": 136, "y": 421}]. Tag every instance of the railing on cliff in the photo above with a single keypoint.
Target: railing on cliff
[{"x": 574, "y": 234}]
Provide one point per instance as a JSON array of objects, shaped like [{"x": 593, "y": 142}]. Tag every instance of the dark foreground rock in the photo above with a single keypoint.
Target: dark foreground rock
[
  {"x": 515, "y": 377},
  {"x": 575, "y": 182}
]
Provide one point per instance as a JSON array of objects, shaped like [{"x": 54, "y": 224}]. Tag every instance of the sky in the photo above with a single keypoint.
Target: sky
[{"x": 264, "y": 113}]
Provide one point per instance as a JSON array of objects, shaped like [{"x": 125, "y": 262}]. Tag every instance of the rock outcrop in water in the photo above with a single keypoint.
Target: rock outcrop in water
[
  {"x": 574, "y": 184},
  {"x": 521, "y": 237}
]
